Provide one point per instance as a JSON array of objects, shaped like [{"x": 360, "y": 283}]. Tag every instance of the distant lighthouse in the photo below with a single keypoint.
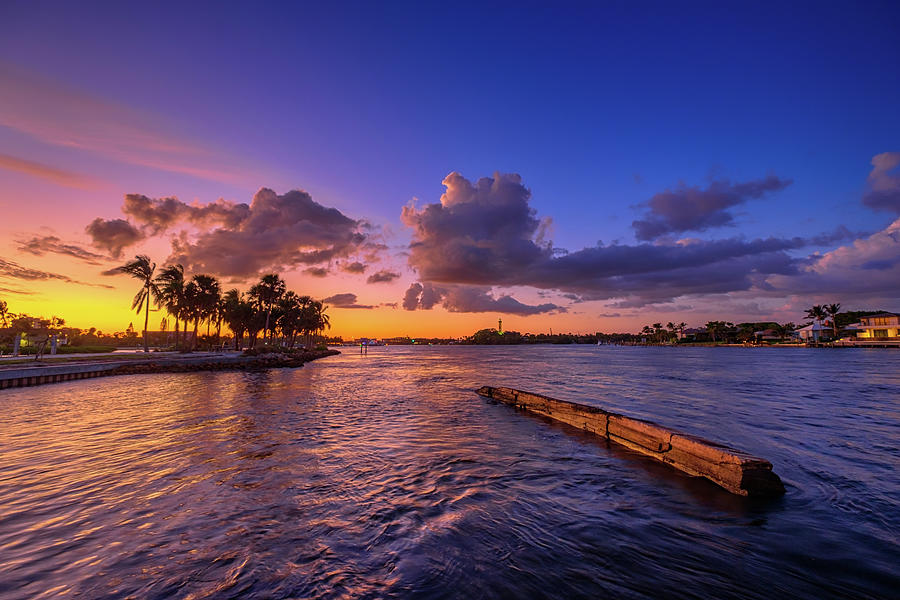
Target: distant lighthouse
[{"x": 500, "y": 326}]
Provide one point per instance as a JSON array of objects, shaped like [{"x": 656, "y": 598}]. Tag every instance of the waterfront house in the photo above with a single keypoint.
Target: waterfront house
[
  {"x": 883, "y": 326},
  {"x": 817, "y": 331}
]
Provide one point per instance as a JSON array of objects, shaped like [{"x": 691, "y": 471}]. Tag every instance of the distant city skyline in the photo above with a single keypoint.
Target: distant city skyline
[{"x": 428, "y": 170}]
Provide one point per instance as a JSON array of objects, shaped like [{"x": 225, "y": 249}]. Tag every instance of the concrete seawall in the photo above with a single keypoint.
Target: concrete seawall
[
  {"x": 43, "y": 374},
  {"x": 736, "y": 471}
]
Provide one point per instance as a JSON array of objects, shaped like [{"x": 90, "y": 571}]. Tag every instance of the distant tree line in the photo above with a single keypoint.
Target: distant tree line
[{"x": 715, "y": 332}]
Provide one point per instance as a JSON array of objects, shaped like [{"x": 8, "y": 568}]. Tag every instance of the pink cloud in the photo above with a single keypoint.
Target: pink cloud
[{"x": 48, "y": 173}]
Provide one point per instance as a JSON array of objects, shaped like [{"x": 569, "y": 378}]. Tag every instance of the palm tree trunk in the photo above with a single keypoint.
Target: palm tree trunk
[
  {"x": 196, "y": 326},
  {"x": 146, "y": 320}
]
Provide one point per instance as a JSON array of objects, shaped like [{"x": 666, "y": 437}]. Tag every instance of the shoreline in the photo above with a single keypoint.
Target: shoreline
[{"x": 27, "y": 376}]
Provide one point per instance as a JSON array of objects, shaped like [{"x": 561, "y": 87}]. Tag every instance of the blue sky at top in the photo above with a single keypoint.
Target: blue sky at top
[{"x": 596, "y": 105}]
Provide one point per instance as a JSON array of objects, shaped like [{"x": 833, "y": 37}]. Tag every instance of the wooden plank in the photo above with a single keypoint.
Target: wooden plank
[{"x": 736, "y": 471}]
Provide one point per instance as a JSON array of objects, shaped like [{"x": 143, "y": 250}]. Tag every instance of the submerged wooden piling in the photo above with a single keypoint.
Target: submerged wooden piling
[{"x": 736, "y": 471}]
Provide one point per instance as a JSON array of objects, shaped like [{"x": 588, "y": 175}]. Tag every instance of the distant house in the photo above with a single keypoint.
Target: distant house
[
  {"x": 690, "y": 333},
  {"x": 817, "y": 331},
  {"x": 883, "y": 326},
  {"x": 767, "y": 335}
]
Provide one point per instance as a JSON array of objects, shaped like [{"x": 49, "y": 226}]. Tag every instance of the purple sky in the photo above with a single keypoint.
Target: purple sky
[{"x": 592, "y": 165}]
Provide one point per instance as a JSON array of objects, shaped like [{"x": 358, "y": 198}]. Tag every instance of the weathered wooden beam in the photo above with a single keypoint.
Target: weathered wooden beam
[{"x": 736, "y": 471}]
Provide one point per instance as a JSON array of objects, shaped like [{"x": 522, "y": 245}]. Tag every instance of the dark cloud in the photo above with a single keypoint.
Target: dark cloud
[
  {"x": 884, "y": 183},
  {"x": 485, "y": 234},
  {"x": 346, "y": 300},
  {"x": 467, "y": 298},
  {"x": 356, "y": 267},
  {"x": 479, "y": 233},
  {"x": 383, "y": 276},
  {"x": 13, "y": 270},
  {"x": 279, "y": 232},
  {"x": 113, "y": 235},
  {"x": 16, "y": 291},
  {"x": 411, "y": 299},
  {"x": 690, "y": 208},
  {"x": 316, "y": 271},
  {"x": 159, "y": 214},
  {"x": 40, "y": 245}
]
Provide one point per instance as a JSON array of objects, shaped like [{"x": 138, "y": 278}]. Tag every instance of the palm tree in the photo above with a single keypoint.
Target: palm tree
[
  {"x": 269, "y": 289},
  {"x": 673, "y": 330},
  {"x": 237, "y": 314},
  {"x": 207, "y": 299},
  {"x": 290, "y": 316},
  {"x": 142, "y": 268},
  {"x": 714, "y": 327},
  {"x": 681, "y": 327},
  {"x": 657, "y": 331},
  {"x": 5, "y": 315},
  {"x": 171, "y": 293},
  {"x": 817, "y": 314},
  {"x": 833, "y": 310},
  {"x": 323, "y": 322},
  {"x": 191, "y": 310}
]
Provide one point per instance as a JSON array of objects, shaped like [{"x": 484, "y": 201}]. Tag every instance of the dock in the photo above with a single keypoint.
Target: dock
[{"x": 734, "y": 470}]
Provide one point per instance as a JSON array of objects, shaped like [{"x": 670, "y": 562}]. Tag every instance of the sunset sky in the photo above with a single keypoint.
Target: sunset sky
[{"x": 430, "y": 167}]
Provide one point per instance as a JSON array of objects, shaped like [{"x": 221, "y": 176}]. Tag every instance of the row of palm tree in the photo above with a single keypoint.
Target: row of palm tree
[
  {"x": 267, "y": 307},
  {"x": 670, "y": 332}
]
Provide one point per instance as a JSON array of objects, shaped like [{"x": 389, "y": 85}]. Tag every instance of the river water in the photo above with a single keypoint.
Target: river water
[{"x": 385, "y": 476}]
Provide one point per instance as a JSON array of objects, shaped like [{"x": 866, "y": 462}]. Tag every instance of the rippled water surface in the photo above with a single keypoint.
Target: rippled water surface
[{"x": 385, "y": 476}]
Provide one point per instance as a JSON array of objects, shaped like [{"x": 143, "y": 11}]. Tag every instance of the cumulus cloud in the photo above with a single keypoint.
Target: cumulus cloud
[
  {"x": 884, "y": 183},
  {"x": 113, "y": 235},
  {"x": 690, "y": 208},
  {"x": 479, "y": 233},
  {"x": 346, "y": 300},
  {"x": 159, "y": 214},
  {"x": 383, "y": 276},
  {"x": 279, "y": 232},
  {"x": 486, "y": 234},
  {"x": 40, "y": 245},
  {"x": 237, "y": 240},
  {"x": 13, "y": 270},
  {"x": 468, "y": 298}
]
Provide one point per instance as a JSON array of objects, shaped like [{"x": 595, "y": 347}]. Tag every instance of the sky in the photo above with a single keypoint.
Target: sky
[{"x": 427, "y": 168}]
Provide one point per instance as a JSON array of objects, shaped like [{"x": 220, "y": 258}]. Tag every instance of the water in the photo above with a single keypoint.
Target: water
[{"x": 385, "y": 476}]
